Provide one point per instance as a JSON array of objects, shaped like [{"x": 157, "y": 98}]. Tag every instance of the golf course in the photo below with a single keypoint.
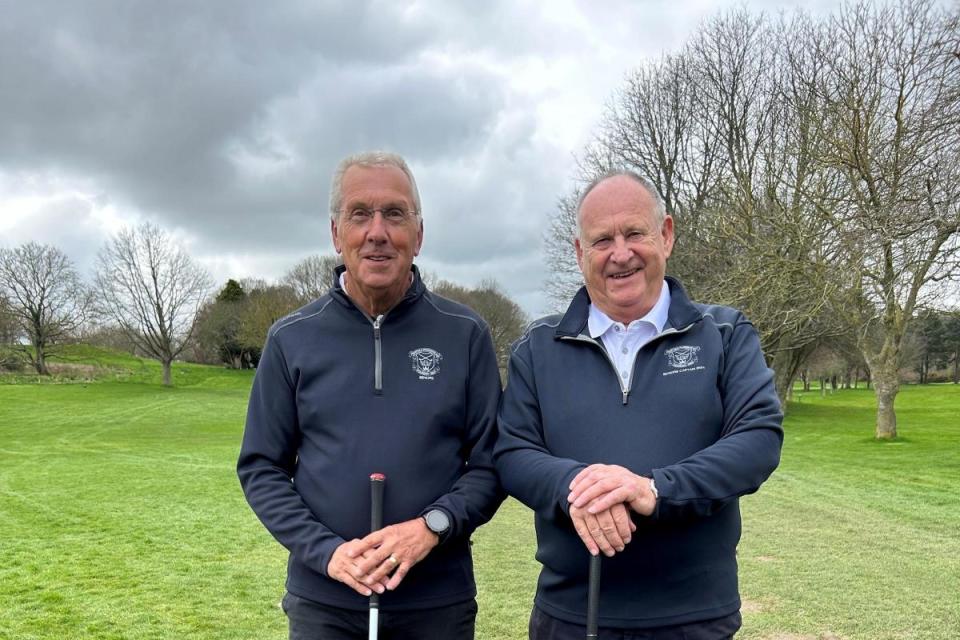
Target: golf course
[{"x": 121, "y": 516}]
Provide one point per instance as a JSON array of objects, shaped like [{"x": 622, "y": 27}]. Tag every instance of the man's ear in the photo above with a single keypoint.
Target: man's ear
[
  {"x": 333, "y": 234},
  {"x": 416, "y": 250},
  {"x": 666, "y": 232}
]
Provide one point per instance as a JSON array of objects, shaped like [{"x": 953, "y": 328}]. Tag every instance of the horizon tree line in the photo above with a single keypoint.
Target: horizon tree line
[{"x": 148, "y": 296}]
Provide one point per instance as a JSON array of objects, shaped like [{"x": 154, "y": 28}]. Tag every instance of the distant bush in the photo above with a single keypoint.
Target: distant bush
[{"x": 10, "y": 360}]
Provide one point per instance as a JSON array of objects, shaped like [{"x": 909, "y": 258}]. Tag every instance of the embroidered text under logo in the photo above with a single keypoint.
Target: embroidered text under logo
[
  {"x": 426, "y": 362},
  {"x": 682, "y": 357}
]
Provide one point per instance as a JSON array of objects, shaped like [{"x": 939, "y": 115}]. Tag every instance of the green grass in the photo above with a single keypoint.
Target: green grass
[{"x": 121, "y": 517}]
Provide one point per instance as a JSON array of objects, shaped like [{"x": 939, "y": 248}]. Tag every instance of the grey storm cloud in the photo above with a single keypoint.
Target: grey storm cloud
[
  {"x": 206, "y": 112},
  {"x": 224, "y": 119}
]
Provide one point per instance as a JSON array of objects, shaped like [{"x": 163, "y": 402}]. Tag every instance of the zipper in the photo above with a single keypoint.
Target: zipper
[
  {"x": 377, "y": 360},
  {"x": 625, "y": 386},
  {"x": 624, "y": 389}
]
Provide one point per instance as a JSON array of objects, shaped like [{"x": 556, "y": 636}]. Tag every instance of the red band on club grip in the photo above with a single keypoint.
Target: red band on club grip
[{"x": 377, "y": 477}]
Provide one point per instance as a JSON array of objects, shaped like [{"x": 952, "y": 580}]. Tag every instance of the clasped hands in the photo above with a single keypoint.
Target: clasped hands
[
  {"x": 601, "y": 497},
  {"x": 380, "y": 561}
]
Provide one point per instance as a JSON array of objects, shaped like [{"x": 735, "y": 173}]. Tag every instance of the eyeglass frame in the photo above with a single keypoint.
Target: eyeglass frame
[{"x": 370, "y": 213}]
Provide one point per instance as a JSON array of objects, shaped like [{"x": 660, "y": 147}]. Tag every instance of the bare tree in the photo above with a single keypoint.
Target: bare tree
[
  {"x": 46, "y": 298},
  {"x": 504, "y": 316},
  {"x": 724, "y": 130},
  {"x": 311, "y": 277},
  {"x": 152, "y": 290},
  {"x": 892, "y": 122}
]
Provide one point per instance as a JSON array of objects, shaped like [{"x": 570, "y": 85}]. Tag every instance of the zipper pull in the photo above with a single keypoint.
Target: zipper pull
[{"x": 625, "y": 394}]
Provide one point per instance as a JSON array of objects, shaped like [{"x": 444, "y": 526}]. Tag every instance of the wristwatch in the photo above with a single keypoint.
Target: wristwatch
[{"x": 437, "y": 521}]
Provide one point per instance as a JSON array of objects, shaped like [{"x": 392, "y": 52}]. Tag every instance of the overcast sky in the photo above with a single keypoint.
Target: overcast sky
[{"x": 222, "y": 121}]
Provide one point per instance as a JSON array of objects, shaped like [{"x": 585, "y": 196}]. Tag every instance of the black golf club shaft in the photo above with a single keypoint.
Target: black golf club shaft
[
  {"x": 593, "y": 596},
  {"x": 376, "y": 522}
]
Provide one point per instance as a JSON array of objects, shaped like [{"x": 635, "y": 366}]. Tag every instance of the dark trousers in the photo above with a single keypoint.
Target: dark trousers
[
  {"x": 544, "y": 627},
  {"x": 314, "y": 621}
]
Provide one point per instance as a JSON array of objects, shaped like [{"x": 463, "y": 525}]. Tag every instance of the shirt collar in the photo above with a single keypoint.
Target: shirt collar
[{"x": 598, "y": 323}]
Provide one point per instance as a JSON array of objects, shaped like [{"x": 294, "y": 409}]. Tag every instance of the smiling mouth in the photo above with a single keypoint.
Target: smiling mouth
[
  {"x": 623, "y": 274},
  {"x": 378, "y": 258}
]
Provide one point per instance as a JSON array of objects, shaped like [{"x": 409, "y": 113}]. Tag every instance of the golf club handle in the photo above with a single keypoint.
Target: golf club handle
[
  {"x": 593, "y": 596},
  {"x": 377, "y": 481}
]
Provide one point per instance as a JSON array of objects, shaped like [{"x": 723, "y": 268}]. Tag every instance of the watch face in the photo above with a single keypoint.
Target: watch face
[{"x": 437, "y": 521}]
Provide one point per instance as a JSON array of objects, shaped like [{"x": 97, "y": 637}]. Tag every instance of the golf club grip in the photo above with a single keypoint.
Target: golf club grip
[
  {"x": 377, "y": 481},
  {"x": 376, "y": 501},
  {"x": 593, "y": 596}
]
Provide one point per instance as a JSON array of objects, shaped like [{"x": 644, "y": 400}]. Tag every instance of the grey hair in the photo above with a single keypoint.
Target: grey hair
[
  {"x": 659, "y": 207},
  {"x": 369, "y": 159}
]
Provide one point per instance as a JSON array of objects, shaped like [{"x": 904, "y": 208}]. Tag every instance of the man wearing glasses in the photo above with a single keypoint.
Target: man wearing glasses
[{"x": 378, "y": 375}]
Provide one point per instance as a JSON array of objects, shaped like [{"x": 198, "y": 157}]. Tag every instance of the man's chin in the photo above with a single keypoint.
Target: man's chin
[{"x": 381, "y": 278}]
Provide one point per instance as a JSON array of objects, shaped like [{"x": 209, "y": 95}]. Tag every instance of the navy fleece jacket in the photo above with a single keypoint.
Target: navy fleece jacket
[
  {"x": 701, "y": 417},
  {"x": 338, "y": 396}
]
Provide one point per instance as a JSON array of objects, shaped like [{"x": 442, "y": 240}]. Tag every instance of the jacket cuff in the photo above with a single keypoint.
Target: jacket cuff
[{"x": 562, "y": 501}]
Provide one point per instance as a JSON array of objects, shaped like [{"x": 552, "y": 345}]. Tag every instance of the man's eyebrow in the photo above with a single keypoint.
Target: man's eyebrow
[{"x": 390, "y": 204}]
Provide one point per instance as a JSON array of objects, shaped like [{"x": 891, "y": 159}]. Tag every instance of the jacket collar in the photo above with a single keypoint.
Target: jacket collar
[
  {"x": 682, "y": 311},
  {"x": 414, "y": 291}
]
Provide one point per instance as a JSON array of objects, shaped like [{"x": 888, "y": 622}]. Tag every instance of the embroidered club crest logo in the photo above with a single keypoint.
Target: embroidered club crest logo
[
  {"x": 682, "y": 357},
  {"x": 426, "y": 362}
]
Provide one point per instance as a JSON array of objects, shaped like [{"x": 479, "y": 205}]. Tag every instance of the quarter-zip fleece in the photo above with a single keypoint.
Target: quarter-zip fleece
[
  {"x": 339, "y": 395},
  {"x": 701, "y": 417}
]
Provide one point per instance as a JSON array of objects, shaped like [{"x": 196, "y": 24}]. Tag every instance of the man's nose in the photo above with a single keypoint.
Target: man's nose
[
  {"x": 377, "y": 230},
  {"x": 621, "y": 252}
]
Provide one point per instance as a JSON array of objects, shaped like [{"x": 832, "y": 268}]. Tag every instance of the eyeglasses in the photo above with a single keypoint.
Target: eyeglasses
[{"x": 391, "y": 215}]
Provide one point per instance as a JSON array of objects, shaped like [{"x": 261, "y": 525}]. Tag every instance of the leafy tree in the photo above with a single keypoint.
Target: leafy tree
[
  {"x": 218, "y": 328},
  {"x": 8, "y": 336},
  {"x": 265, "y": 304},
  {"x": 45, "y": 299},
  {"x": 8, "y": 325},
  {"x": 951, "y": 342},
  {"x": 928, "y": 338},
  {"x": 232, "y": 292}
]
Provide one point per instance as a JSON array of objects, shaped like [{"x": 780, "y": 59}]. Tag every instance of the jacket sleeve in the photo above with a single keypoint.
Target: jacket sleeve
[
  {"x": 268, "y": 458},
  {"x": 749, "y": 446},
  {"x": 476, "y": 494},
  {"x": 527, "y": 469}
]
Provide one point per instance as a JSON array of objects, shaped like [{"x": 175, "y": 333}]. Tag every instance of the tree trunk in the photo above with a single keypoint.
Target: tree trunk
[
  {"x": 167, "y": 381},
  {"x": 887, "y": 385},
  {"x": 806, "y": 380},
  {"x": 782, "y": 378},
  {"x": 823, "y": 387},
  {"x": 956, "y": 362},
  {"x": 40, "y": 362}
]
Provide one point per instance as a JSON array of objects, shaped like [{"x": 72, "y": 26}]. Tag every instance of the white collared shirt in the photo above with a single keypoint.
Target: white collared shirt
[{"x": 624, "y": 341}]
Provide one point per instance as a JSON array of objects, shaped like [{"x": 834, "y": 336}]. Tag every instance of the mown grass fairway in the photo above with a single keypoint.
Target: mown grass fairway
[{"x": 122, "y": 518}]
